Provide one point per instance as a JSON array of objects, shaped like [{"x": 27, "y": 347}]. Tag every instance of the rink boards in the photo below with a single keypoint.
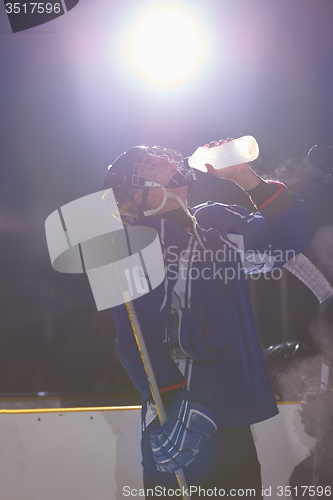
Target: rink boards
[{"x": 94, "y": 453}]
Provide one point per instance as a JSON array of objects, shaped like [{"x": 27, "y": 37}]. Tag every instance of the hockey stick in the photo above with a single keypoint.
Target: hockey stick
[
  {"x": 310, "y": 275},
  {"x": 153, "y": 384}
]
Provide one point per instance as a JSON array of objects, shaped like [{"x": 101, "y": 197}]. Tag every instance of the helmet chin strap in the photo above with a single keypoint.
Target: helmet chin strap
[
  {"x": 154, "y": 211},
  {"x": 173, "y": 196}
]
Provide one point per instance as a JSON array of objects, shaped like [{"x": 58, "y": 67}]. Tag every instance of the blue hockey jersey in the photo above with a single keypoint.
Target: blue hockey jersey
[{"x": 231, "y": 371}]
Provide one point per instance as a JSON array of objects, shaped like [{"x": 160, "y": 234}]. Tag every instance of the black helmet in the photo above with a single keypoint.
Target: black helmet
[
  {"x": 291, "y": 365},
  {"x": 127, "y": 172}
]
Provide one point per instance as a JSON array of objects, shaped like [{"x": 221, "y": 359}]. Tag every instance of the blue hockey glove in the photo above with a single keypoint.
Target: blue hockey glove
[{"x": 178, "y": 441}]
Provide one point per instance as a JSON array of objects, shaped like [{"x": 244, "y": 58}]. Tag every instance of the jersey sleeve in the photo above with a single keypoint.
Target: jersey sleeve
[
  {"x": 165, "y": 369},
  {"x": 272, "y": 197},
  {"x": 263, "y": 240}
]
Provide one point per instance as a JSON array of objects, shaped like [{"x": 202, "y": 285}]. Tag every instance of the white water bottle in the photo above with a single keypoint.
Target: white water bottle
[{"x": 242, "y": 150}]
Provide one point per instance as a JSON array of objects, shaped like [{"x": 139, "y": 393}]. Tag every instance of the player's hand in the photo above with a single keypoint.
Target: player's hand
[
  {"x": 178, "y": 441},
  {"x": 228, "y": 172}
]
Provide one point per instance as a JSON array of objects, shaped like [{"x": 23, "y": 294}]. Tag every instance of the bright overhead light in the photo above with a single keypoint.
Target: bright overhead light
[{"x": 166, "y": 46}]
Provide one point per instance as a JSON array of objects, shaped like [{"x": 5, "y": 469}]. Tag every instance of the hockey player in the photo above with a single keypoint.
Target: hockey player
[{"x": 198, "y": 324}]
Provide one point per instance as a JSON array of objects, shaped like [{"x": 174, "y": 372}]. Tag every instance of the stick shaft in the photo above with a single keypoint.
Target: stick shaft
[
  {"x": 153, "y": 383},
  {"x": 146, "y": 361}
]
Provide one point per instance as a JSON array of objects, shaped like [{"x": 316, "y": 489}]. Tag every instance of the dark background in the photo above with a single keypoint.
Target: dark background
[{"x": 70, "y": 105}]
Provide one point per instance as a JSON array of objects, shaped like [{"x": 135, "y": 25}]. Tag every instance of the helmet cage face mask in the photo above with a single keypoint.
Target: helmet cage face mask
[
  {"x": 141, "y": 167},
  {"x": 150, "y": 171}
]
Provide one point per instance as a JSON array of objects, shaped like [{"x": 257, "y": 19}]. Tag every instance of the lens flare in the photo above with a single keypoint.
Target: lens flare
[{"x": 166, "y": 46}]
